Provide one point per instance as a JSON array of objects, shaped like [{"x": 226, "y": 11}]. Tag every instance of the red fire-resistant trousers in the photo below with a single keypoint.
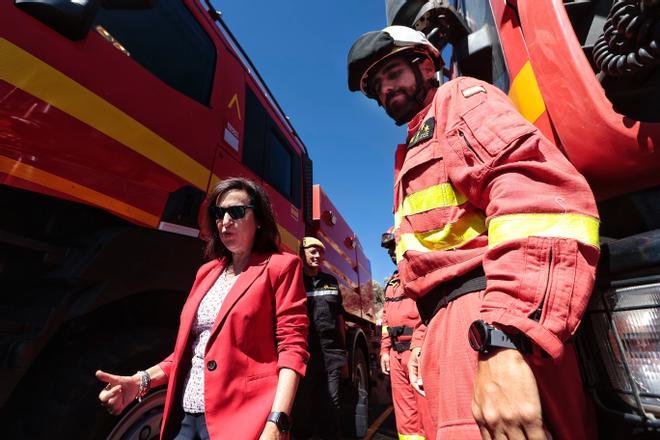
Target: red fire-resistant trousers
[
  {"x": 448, "y": 367},
  {"x": 413, "y": 420}
]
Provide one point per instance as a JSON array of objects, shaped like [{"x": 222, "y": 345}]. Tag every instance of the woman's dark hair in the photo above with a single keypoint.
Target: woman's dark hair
[{"x": 267, "y": 237}]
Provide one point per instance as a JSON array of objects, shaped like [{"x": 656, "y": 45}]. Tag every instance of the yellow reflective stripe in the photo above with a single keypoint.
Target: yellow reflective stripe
[
  {"x": 436, "y": 196},
  {"x": 25, "y": 71},
  {"x": 56, "y": 183},
  {"x": 515, "y": 226},
  {"x": 384, "y": 331},
  {"x": 526, "y": 95},
  {"x": 411, "y": 437},
  {"x": 452, "y": 236},
  {"x": 288, "y": 239}
]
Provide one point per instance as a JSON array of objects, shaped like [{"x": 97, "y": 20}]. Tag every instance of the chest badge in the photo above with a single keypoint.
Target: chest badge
[{"x": 423, "y": 133}]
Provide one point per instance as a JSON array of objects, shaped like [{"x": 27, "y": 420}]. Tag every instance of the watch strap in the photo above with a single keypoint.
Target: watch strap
[
  {"x": 500, "y": 339},
  {"x": 280, "y": 419},
  {"x": 484, "y": 337}
]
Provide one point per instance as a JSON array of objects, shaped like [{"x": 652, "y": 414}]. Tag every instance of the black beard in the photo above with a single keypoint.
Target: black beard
[{"x": 404, "y": 113}]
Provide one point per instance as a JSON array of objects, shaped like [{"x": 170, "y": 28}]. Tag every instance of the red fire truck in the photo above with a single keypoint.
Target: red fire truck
[
  {"x": 116, "y": 117},
  {"x": 585, "y": 73}
]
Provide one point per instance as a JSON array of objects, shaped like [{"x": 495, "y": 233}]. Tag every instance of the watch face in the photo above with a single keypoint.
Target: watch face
[
  {"x": 477, "y": 335},
  {"x": 284, "y": 422}
]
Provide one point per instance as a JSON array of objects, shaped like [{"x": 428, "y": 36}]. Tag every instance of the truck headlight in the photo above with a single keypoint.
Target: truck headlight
[{"x": 625, "y": 330}]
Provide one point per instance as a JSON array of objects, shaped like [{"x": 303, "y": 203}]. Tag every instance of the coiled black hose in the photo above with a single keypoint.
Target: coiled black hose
[{"x": 631, "y": 38}]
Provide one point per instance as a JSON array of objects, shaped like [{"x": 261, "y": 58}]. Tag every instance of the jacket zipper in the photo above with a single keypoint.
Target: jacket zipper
[
  {"x": 469, "y": 145},
  {"x": 536, "y": 314}
]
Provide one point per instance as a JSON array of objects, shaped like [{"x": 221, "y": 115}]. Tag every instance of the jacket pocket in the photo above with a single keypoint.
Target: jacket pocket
[
  {"x": 559, "y": 303},
  {"x": 537, "y": 310},
  {"x": 261, "y": 382},
  {"x": 490, "y": 127},
  {"x": 549, "y": 273},
  {"x": 426, "y": 159}
]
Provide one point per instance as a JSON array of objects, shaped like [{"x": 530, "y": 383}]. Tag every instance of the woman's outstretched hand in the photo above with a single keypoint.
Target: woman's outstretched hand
[{"x": 119, "y": 391}]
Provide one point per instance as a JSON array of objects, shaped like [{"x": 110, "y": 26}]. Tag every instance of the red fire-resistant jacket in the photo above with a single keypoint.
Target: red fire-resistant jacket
[
  {"x": 398, "y": 310},
  {"x": 261, "y": 327},
  {"x": 479, "y": 185}
]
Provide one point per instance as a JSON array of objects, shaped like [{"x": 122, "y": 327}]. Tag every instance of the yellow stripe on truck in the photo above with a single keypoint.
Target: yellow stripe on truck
[
  {"x": 25, "y": 71},
  {"x": 288, "y": 239},
  {"x": 56, "y": 183},
  {"x": 526, "y": 95},
  {"x": 516, "y": 226}
]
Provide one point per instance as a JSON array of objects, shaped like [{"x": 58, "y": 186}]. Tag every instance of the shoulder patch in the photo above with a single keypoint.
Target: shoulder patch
[
  {"x": 471, "y": 91},
  {"x": 423, "y": 133}
]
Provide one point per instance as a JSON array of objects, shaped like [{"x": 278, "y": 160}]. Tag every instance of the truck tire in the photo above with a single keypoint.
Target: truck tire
[
  {"x": 142, "y": 420},
  {"x": 58, "y": 398},
  {"x": 355, "y": 415}
]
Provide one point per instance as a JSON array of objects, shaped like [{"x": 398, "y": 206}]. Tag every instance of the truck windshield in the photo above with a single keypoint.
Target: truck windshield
[{"x": 168, "y": 41}]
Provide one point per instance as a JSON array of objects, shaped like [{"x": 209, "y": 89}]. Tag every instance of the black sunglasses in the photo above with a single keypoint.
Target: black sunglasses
[{"x": 235, "y": 212}]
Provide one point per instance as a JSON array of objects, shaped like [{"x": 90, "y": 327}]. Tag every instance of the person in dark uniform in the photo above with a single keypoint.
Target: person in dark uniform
[{"x": 316, "y": 411}]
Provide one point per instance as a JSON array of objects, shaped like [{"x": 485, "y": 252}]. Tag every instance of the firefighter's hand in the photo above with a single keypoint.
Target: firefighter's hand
[
  {"x": 385, "y": 363},
  {"x": 506, "y": 402},
  {"x": 415, "y": 372},
  {"x": 119, "y": 391},
  {"x": 271, "y": 432}
]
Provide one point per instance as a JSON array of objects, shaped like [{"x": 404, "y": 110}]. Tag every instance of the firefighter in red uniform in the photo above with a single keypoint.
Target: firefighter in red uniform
[
  {"x": 497, "y": 240},
  {"x": 400, "y": 317}
]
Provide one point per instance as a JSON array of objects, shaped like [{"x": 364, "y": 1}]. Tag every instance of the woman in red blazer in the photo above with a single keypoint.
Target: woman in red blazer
[{"x": 242, "y": 341}]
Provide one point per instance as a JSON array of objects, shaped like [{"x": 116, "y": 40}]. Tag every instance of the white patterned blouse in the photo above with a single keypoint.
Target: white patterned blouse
[{"x": 209, "y": 307}]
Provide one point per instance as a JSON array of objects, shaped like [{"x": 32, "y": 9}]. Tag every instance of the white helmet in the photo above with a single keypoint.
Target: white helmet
[{"x": 373, "y": 47}]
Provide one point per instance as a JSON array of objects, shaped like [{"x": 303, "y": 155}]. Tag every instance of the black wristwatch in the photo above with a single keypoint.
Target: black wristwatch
[
  {"x": 484, "y": 338},
  {"x": 281, "y": 420}
]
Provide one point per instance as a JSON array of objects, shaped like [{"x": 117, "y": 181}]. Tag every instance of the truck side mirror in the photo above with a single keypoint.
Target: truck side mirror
[
  {"x": 71, "y": 18},
  {"x": 474, "y": 54}
]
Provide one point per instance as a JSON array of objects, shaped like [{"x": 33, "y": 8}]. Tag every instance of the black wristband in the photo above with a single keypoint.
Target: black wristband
[
  {"x": 484, "y": 337},
  {"x": 281, "y": 420}
]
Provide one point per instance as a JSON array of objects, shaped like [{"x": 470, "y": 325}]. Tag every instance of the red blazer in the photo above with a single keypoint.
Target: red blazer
[{"x": 261, "y": 327}]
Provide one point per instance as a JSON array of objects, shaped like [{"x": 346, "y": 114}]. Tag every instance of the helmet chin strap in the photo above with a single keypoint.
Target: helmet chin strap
[{"x": 422, "y": 88}]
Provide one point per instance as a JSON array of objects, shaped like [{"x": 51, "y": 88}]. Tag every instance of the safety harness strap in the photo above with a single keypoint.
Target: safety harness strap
[
  {"x": 401, "y": 330},
  {"x": 440, "y": 296},
  {"x": 401, "y": 346}
]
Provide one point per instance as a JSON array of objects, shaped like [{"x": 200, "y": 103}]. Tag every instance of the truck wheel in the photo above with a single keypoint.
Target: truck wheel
[
  {"x": 356, "y": 418},
  {"x": 59, "y": 396},
  {"x": 141, "y": 421}
]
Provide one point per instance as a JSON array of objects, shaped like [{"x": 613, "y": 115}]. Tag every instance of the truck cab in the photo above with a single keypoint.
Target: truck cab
[{"x": 116, "y": 118}]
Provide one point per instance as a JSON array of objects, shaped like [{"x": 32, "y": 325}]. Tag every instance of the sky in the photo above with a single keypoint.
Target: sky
[{"x": 300, "y": 48}]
